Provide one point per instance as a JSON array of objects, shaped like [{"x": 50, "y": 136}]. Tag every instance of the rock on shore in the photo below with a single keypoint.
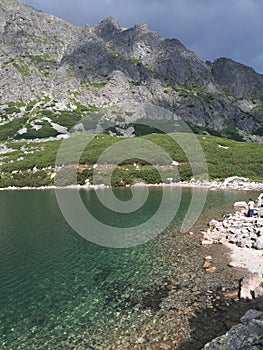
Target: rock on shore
[
  {"x": 248, "y": 335},
  {"x": 243, "y": 235},
  {"x": 236, "y": 229}
]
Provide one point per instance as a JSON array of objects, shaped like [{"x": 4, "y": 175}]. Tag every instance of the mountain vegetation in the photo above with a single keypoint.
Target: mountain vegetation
[
  {"x": 58, "y": 79},
  {"x": 32, "y": 163}
]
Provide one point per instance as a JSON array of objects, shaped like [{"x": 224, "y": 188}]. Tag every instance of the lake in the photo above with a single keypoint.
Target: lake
[{"x": 61, "y": 291}]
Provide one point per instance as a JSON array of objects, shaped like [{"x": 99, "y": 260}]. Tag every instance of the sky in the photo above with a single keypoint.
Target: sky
[{"x": 210, "y": 28}]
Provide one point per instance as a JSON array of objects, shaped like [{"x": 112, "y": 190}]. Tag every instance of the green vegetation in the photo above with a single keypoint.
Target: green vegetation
[
  {"x": 45, "y": 57},
  {"x": 10, "y": 129},
  {"x": 139, "y": 128},
  {"x": 32, "y": 163},
  {"x": 12, "y": 109},
  {"x": 136, "y": 82},
  {"x": 24, "y": 70},
  {"x": 98, "y": 85},
  {"x": 41, "y": 62},
  {"x": 258, "y": 108},
  {"x": 259, "y": 131},
  {"x": 229, "y": 132},
  {"x": 135, "y": 60},
  {"x": 31, "y": 104},
  {"x": 15, "y": 118},
  {"x": 64, "y": 118},
  {"x": 240, "y": 159},
  {"x": 114, "y": 53},
  {"x": 45, "y": 131},
  {"x": 195, "y": 91},
  {"x": 224, "y": 157},
  {"x": 26, "y": 178}
]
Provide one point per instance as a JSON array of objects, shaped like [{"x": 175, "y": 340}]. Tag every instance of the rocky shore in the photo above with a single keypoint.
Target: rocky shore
[
  {"x": 231, "y": 183},
  {"x": 244, "y": 236}
]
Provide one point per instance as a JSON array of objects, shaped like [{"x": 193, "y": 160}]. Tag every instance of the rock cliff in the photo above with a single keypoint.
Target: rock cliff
[{"x": 53, "y": 72}]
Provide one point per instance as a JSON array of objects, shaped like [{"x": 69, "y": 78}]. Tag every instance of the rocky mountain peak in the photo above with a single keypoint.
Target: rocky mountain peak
[
  {"x": 142, "y": 30},
  {"x": 142, "y": 27},
  {"x": 107, "y": 28},
  {"x": 237, "y": 79},
  {"x": 116, "y": 71}
]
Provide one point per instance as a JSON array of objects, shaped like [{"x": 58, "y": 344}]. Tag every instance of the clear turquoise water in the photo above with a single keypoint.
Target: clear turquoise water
[{"x": 59, "y": 291}]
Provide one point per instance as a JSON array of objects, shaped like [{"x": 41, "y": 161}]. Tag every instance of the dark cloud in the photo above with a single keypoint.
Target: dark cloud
[{"x": 210, "y": 28}]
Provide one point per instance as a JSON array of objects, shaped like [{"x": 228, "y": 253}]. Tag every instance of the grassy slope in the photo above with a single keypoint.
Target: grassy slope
[{"x": 239, "y": 159}]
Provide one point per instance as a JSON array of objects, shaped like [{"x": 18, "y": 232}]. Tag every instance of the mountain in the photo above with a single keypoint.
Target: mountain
[{"x": 54, "y": 73}]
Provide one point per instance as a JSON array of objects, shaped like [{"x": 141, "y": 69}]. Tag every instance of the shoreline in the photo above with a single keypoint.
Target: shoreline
[
  {"x": 210, "y": 185},
  {"x": 246, "y": 258},
  {"x": 241, "y": 235}
]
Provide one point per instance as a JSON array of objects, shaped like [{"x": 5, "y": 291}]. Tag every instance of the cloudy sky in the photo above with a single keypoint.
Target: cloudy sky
[{"x": 210, "y": 28}]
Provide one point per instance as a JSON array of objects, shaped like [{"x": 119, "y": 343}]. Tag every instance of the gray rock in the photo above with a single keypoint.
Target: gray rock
[
  {"x": 237, "y": 79},
  {"x": 247, "y": 336},
  {"x": 250, "y": 314}
]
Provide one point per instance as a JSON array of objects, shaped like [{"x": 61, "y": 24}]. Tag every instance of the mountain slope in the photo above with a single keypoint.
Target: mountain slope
[{"x": 54, "y": 73}]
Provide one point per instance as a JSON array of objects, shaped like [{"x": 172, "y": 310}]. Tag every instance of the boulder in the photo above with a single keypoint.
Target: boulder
[
  {"x": 239, "y": 206},
  {"x": 235, "y": 263},
  {"x": 249, "y": 315},
  {"x": 258, "y": 292},
  {"x": 213, "y": 224},
  {"x": 247, "y": 336},
  {"x": 249, "y": 284},
  {"x": 258, "y": 244},
  {"x": 235, "y": 179}
]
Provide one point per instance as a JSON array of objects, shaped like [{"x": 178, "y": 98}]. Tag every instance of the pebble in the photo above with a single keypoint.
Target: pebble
[
  {"x": 208, "y": 257},
  {"x": 206, "y": 264},
  {"x": 235, "y": 264},
  {"x": 206, "y": 242},
  {"x": 211, "y": 269},
  {"x": 232, "y": 294}
]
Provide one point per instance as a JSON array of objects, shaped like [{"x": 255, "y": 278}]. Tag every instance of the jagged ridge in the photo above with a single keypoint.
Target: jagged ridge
[{"x": 117, "y": 74}]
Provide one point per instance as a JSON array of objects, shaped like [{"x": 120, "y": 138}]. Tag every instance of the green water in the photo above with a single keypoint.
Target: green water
[{"x": 58, "y": 290}]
